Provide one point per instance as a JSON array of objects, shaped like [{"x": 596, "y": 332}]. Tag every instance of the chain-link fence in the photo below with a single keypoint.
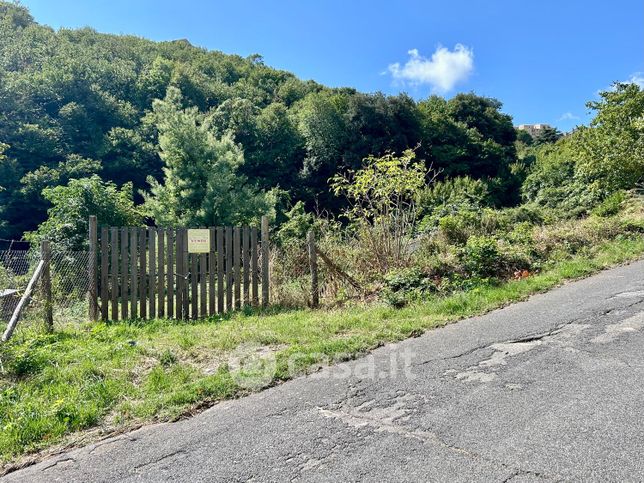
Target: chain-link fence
[
  {"x": 291, "y": 277},
  {"x": 290, "y": 281},
  {"x": 69, "y": 285}
]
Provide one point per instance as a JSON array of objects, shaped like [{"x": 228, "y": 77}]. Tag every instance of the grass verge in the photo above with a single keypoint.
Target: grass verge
[{"x": 118, "y": 375}]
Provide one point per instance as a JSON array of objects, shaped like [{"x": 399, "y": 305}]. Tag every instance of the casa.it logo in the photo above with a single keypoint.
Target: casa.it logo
[{"x": 252, "y": 366}]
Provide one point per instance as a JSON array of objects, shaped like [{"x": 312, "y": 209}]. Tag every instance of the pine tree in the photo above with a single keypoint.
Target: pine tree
[{"x": 202, "y": 184}]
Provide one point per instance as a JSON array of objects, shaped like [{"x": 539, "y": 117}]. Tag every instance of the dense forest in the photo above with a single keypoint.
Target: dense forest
[
  {"x": 171, "y": 134},
  {"x": 77, "y": 103}
]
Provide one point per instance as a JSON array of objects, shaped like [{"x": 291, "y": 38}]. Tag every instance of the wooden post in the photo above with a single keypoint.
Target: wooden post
[
  {"x": 170, "y": 271},
  {"x": 114, "y": 272},
  {"x": 212, "y": 274},
  {"x": 313, "y": 263},
  {"x": 180, "y": 275},
  {"x": 143, "y": 271},
  {"x": 186, "y": 269},
  {"x": 253, "y": 267},
  {"x": 92, "y": 269},
  {"x": 124, "y": 274},
  {"x": 134, "y": 274},
  {"x": 104, "y": 276},
  {"x": 229, "y": 268},
  {"x": 246, "y": 264},
  {"x": 23, "y": 302},
  {"x": 161, "y": 274},
  {"x": 194, "y": 285},
  {"x": 220, "y": 270},
  {"x": 45, "y": 253},
  {"x": 237, "y": 266},
  {"x": 203, "y": 285},
  {"x": 152, "y": 267},
  {"x": 265, "y": 266}
]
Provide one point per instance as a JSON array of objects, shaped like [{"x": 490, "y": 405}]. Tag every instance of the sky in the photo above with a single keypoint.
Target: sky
[{"x": 543, "y": 59}]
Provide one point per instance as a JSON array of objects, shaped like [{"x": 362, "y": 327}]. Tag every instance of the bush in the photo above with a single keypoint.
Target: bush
[
  {"x": 403, "y": 286},
  {"x": 481, "y": 257},
  {"x": 611, "y": 205},
  {"x": 458, "y": 227}
]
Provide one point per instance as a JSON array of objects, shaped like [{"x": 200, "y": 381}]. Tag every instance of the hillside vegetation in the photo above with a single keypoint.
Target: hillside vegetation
[
  {"x": 75, "y": 103},
  {"x": 435, "y": 209}
]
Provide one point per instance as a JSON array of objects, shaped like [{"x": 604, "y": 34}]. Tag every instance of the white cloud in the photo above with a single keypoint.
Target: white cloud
[
  {"x": 568, "y": 116},
  {"x": 637, "y": 78},
  {"x": 442, "y": 72}
]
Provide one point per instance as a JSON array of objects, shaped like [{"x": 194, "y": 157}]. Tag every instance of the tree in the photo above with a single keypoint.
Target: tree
[
  {"x": 548, "y": 135},
  {"x": 383, "y": 197},
  {"x": 593, "y": 162},
  {"x": 610, "y": 152},
  {"x": 468, "y": 135},
  {"x": 72, "y": 204},
  {"x": 202, "y": 185}
]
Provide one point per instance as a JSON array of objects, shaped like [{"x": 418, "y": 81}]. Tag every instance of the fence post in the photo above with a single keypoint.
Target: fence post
[
  {"x": 45, "y": 253},
  {"x": 313, "y": 263},
  {"x": 265, "y": 255},
  {"x": 92, "y": 269}
]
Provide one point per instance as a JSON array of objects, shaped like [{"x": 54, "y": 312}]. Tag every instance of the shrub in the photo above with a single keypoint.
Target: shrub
[
  {"x": 402, "y": 286},
  {"x": 383, "y": 198},
  {"x": 481, "y": 256},
  {"x": 611, "y": 205},
  {"x": 449, "y": 197},
  {"x": 458, "y": 227}
]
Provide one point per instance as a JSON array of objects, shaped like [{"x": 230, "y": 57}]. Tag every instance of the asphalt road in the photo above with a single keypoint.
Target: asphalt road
[{"x": 548, "y": 389}]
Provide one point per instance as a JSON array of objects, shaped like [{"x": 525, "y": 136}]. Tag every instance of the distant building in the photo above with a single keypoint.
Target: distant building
[{"x": 533, "y": 129}]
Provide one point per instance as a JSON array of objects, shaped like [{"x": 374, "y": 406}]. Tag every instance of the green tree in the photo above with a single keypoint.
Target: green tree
[
  {"x": 383, "y": 197},
  {"x": 72, "y": 204},
  {"x": 202, "y": 185},
  {"x": 593, "y": 162},
  {"x": 548, "y": 135},
  {"x": 610, "y": 152}
]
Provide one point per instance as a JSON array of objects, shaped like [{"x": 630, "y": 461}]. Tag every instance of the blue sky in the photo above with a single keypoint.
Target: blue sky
[{"x": 543, "y": 59}]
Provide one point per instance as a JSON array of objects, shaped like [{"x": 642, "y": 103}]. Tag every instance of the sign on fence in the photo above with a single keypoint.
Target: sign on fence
[
  {"x": 198, "y": 240},
  {"x": 176, "y": 272}
]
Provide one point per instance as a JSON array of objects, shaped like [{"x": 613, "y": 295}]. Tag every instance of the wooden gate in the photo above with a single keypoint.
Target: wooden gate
[{"x": 152, "y": 273}]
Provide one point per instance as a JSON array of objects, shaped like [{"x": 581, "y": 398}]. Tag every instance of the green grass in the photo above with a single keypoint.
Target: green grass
[{"x": 121, "y": 374}]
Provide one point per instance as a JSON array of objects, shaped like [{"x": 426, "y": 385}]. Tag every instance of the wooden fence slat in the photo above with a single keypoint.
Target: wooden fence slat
[
  {"x": 134, "y": 274},
  {"x": 194, "y": 285},
  {"x": 104, "y": 272},
  {"x": 186, "y": 268},
  {"x": 246, "y": 264},
  {"x": 124, "y": 273},
  {"x": 265, "y": 261},
  {"x": 220, "y": 270},
  {"x": 143, "y": 273},
  {"x": 170, "y": 271},
  {"x": 161, "y": 273},
  {"x": 114, "y": 272},
  {"x": 253, "y": 267},
  {"x": 180, "y": 274},
  {"x": 203, "y": 285},
  {"x": 152, "y": 280},
  {"x": 212, "y": 267},
  {"x": 237, "y": 265},
  {"x": 92, "y": 269},
  {"x": 229, "y": 268}
]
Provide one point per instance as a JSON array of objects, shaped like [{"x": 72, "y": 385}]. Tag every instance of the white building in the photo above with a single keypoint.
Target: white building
[{"x": 533, "y": 129}]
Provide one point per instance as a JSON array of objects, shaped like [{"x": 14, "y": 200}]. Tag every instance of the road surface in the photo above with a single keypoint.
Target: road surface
[{"x": 548, "y": 389}]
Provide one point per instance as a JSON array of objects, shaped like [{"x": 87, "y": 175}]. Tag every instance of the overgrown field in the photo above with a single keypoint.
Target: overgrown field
[{"x": 115, "y": 375}]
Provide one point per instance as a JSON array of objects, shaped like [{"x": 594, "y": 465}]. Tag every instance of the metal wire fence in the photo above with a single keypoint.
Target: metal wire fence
[
  {"x": 290, "y": 281},
  {"x": 69, "y": 285}
]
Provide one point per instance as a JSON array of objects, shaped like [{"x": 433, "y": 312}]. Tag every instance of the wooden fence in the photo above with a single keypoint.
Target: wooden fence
[{"x": 154, "y": 272}]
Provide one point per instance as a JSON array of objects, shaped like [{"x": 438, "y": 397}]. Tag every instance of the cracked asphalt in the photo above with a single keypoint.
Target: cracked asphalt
[{"x": 547, "y": 389}]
